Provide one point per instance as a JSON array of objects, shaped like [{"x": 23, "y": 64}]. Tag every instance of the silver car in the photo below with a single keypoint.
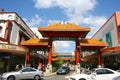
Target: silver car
[{"x": 25, "y": 73}]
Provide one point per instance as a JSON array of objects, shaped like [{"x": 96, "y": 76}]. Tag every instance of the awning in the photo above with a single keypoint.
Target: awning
[{"x": 111, "y": 51}]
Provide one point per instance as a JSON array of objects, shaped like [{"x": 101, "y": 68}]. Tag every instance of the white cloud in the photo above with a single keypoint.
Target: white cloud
[
  {"x": 43, "y": 3},
  {"x": 78, "y": 11},
  {"x": 62, "y": 44},
  {"x": 34, "y": 21}
]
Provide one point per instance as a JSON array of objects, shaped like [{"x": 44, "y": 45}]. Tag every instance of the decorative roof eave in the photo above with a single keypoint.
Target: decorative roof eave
[
  {"x": 66, "y": 29},
  {"x": 62, "y": 27},
  {"x": 92, "y": 44},
  {"x": 35, "y": 42},
  {"x": 55, "y": 59},
  {"x": 54, "y": 55},
  {"x": 44, "y": 29}
]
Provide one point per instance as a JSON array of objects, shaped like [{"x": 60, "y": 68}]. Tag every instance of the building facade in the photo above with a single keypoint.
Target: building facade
[
  {"x": 110, "y": 32},
  {"x": 13, "y": 30}
]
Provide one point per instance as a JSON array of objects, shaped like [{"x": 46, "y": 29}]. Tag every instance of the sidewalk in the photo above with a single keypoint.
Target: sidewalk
[{"x": 49, "y": 74}]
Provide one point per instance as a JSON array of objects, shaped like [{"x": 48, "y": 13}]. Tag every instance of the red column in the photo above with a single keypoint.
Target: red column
[
  {"x": 99, "y": 58},
  {"x": 50, "y": 53},
  {"x": 77, "y": 52},
  {"x": 28, "y": 58}
]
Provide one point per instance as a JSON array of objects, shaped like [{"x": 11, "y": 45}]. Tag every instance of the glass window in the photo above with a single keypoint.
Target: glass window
[
  {"x": 109, "y": 39},
  {"x": 104, "y": 71},
  {"x": 24, "y": 70},
  {"x": 100, "y": 71},
  {"x": 9, "y": 16},
  {"x": 28, "y": 70},
  {"x": 119, "y": 29},
  {"x": 16, "y": 19},
  {"x": 109, "y": 72},
  {"x": 100, "y": 39}
]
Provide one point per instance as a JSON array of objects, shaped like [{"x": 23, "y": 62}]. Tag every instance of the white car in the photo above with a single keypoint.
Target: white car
[
  {"x": 25, "y": 73},
  {"x": 97, "y": 74},
  {"x": 116, "y": 78}
]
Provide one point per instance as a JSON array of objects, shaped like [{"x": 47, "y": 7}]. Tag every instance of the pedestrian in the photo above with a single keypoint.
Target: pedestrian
[
  {"x": 40, "y": 66},
  {"x": 17, "y": 67},
  {"x": 20, "y": 66},
  {"x": 31, "y": 65}
]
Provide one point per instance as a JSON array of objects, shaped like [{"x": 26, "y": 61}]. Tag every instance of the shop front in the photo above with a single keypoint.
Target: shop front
[{"x": 10, "y": 56}]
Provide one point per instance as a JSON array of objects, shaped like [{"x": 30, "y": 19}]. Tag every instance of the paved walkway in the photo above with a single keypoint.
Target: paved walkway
[{"x": 49, "y": 74}]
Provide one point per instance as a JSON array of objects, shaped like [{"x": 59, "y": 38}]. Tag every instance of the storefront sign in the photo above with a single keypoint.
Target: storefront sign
[
  {"x": 12, "y": 47},
  {"x": 4, "y": 46}
]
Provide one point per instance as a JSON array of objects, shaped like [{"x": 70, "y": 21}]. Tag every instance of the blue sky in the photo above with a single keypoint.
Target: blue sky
[{"x": 36, "y": 13}]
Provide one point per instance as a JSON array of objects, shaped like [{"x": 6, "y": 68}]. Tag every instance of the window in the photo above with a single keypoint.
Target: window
[
  {"x": 100, "y": 71},
  {"x": 0, "y": 29},
  {"x": 100, "y": 39},
  {"x": 16, "y": 19},
  {"x": 109, "y": 72},
  {"x": 28, "y": 70},
  {"x": 109, "y": 39},
  {"x": 104, "y": 71},
  {"x": 118, "y": 29},
  {"x": 10, "y": 17}
]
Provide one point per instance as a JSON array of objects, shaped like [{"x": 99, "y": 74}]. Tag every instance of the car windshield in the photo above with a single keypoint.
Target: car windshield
[
  {"x": 64, "y": 67},
  {"x": 92, "y": 70}
]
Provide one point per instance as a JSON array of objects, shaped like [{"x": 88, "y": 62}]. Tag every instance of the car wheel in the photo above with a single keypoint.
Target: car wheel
[
  {"x": 82, "y": 79},
  {"x": 37, "y": 77},
  {"x": 11, "y": 77}
]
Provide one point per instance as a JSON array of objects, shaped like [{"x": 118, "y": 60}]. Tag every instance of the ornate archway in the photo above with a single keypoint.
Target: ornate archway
[{"x": 65, "y": 31}]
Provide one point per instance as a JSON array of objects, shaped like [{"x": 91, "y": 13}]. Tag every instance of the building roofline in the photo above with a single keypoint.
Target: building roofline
[
  {"x": 19, "y": 17},
  {"x": 104, "y": 24}
]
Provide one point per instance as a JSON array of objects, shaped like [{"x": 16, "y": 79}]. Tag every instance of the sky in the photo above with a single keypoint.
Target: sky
[{"x": 92, "y": 13}]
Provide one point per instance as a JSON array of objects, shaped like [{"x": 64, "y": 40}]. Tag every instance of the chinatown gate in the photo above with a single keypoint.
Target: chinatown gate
[{"x": 65, "y": 32}]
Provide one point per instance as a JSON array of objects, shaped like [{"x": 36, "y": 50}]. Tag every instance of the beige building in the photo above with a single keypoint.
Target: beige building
[
  {"x": 110, "y": 32},
  {"x": 13, "y": 30}
]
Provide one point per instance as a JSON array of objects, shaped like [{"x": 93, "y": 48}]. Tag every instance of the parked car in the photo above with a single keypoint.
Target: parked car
[
  {"x": 97, "y": 74},
  {"x": 116, "y": 78},
  {"x": 25, "y": 73},
  {"x": 63, "y": 70}
]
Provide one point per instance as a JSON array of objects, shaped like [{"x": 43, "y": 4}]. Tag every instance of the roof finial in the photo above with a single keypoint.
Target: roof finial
[{"x": 2, "y": 9}]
